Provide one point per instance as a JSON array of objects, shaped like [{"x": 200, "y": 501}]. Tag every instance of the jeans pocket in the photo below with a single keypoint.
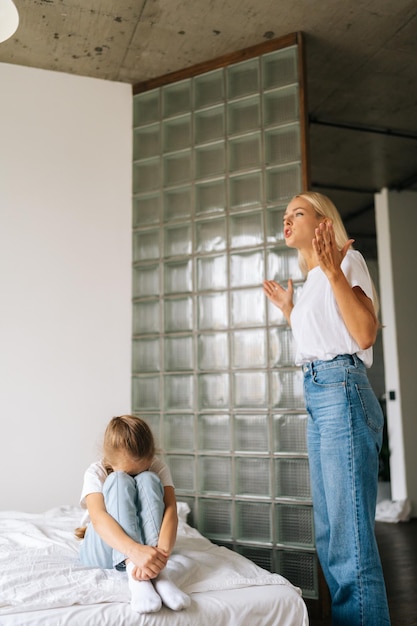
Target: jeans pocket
[
  {"x": 371, "y": 408},
  {"x": 330, "y": 377}
]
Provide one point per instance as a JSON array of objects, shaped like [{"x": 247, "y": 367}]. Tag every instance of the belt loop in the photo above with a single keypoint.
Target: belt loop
[{"x": 307, "y": 367}]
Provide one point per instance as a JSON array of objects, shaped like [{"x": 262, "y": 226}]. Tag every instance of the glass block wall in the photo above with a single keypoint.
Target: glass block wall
[{"x": 216, "y": 157}]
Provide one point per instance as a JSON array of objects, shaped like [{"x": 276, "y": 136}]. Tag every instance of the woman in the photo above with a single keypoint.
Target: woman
[{"x": 335, "y": 326}]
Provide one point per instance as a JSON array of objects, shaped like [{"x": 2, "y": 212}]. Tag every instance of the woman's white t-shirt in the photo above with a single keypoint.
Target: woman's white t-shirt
[
  {"x": 318, "y": 328},
  {"x": 96, "y": 475}
]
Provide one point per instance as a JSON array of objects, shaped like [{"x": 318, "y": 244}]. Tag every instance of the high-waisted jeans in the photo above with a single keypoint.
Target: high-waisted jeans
[
  {"x": 344, "y": 439},
  {"x": 137, "y": 504}
]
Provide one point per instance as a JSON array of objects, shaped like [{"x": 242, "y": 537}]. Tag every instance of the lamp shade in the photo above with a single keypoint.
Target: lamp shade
[{"x": 9, "y": 19}]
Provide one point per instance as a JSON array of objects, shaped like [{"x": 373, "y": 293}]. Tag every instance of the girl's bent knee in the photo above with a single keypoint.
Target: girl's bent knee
[
  {"x": 119, "y": 482},
  {"x": 117, "y": 477},
  {"x": 148, "y": 479},
  {"x": 149, "y": 482}
]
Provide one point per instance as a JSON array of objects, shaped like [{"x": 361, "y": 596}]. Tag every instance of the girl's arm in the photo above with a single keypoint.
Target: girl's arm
[
  {"x": 168, "y": 532},
  {"x": 150, "y": 560}
]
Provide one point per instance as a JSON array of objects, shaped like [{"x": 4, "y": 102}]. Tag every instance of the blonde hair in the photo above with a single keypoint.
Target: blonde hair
[
  {"x": 324, "y": 207},
  {"x": 127, "y": 434}
]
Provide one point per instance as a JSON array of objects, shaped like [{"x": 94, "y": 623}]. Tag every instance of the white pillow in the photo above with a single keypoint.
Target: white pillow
[{"x": 183, "y": 509}]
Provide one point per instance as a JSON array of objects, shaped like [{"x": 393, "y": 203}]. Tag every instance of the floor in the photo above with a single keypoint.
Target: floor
[{"x": 398, "y": 549}]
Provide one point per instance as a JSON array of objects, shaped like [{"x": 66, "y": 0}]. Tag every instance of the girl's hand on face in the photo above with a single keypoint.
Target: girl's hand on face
[{"x": 329, "y": 257}]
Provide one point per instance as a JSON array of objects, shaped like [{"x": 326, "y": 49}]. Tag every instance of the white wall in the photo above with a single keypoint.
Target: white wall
[
  {"x": 65, "y": 286},
  {"x": 396, "y": 221}
]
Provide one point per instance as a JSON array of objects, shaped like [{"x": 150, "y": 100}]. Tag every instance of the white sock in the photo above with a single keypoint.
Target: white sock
[
  {"x": 172, "y": 597},
  {"x": 144, "y": 598}
]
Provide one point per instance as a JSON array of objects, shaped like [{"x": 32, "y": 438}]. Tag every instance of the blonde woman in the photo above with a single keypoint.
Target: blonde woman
[{"x": 335, "y": 325}]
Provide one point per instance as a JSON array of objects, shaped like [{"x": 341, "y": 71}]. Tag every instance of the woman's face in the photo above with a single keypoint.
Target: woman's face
[{"x": 300, "y": 222}]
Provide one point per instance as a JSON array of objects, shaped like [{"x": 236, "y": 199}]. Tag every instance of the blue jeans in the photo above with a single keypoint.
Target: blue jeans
[
  {"x": 137, "y": 504},
  {"x": 344, "y": 439}
]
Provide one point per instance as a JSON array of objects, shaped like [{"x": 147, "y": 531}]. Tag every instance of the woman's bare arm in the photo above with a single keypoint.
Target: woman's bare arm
[
  {"x": 280, "y": 297},
  {"x": 355, "y": 307}
]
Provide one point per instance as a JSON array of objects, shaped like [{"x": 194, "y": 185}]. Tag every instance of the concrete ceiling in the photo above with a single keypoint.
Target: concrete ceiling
[{"x": 361, "y": 67}]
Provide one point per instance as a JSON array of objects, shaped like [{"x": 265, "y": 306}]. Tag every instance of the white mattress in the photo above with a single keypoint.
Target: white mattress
[{"x": 43, "y": 583}]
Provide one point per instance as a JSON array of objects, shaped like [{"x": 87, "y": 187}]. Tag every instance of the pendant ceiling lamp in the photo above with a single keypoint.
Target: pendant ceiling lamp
[{"x": 9, "y": 19}]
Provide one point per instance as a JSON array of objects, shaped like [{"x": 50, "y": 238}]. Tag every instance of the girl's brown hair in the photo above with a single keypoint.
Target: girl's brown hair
[{"x": 128, "y": 434}]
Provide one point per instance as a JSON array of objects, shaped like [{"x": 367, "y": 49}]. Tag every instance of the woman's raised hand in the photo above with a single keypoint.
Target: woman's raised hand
[{"x": 328, "y": 255}]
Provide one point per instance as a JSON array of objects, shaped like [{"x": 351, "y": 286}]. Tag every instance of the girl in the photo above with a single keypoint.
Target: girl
[
  {"x": 132, "y": 515},
  {"x": 334, "y": 326}
]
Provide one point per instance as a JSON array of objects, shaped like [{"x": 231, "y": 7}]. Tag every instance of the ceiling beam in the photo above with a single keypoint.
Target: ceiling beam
[
  {"x": 380, "y": 130},
  {"x": 344, "y": 188}
]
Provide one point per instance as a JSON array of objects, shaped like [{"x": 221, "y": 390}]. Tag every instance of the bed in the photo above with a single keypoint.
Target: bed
[{"x": 42, "y": 582}]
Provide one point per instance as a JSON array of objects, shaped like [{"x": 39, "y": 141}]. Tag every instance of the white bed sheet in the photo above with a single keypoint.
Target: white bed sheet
[{"x": 42, "y": 582}]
